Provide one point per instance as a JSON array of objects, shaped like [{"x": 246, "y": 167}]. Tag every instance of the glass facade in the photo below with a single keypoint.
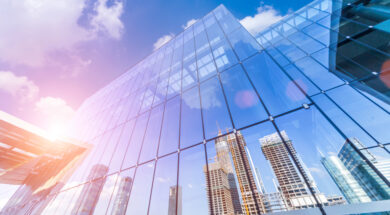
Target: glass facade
[{"x": 292, "y": 120}]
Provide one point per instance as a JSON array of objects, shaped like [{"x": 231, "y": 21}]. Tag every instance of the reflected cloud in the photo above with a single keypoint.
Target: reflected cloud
[
  {"x": 293, "y": 92},
  {"x": 245, "y": 99}
]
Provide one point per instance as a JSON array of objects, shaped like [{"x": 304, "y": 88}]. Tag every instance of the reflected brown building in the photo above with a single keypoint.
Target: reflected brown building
[
  {"x": 290, "y": 182},
  {"x": 39, "y": 165},
  {"x": 222, "y": 183},
  {"x": 291, "y": 185}
]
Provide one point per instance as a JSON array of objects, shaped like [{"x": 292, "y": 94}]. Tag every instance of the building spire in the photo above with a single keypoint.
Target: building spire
[{"x": 219, "y": 129}]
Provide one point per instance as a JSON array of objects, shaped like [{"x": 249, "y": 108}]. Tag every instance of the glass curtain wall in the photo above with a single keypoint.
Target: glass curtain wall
[{"x": 220, "y": 121}]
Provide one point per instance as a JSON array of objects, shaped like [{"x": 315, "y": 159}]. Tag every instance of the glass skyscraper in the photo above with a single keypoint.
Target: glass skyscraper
[{"x": 291, "y": 119}]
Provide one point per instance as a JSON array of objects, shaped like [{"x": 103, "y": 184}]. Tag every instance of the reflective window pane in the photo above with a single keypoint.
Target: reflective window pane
[
  {"x": 243, "y": 102},
  {"x": 192, "y": 181},
  {"x": 191, "y": 130},
  {"x": 140, "y": 193},
  {"x": 164, "y": 194},
  {"x": 152, "y": 135},
  {"x": 215, "y": 114},
  {"x": 169, "y": 140},
  {"x": 374, "y": 119},
  {"x": 278, "y": 92},
  {"x": 243, "y": 43},
  {"x": 135, "y": 144},
  {"x": 121, "y": 194}
]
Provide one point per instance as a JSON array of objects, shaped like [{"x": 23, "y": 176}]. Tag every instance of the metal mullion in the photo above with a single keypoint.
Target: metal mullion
[
  {"x": 151, "y": 188},
  {"x": 198, "y": 85},
  {"x": 178, "y": 141},
  {"x": 204, "y": 136},
  {"x": 116, "y": 181}
]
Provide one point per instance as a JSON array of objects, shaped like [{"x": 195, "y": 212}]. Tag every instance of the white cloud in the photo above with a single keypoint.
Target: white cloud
[
  {"x": 189, "y": 23},
  {"x": 166, "y": 38},
  {"x": 266, "y": 15},
  {"x": 32, "y": 28},
  {"x": 18, "y": 86},
  {"x": 162, "y": 40},
  {"x": 56, "y": 112},
  {"x": 108, "y": 18}
]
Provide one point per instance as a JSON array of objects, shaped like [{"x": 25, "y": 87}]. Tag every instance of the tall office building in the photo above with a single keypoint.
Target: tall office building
[
  {"x": 89, "y": 195},
  {"x": 344, "y": 179},
  {"x": 122, "y": 196},
  {"x": 175, "y": 198},
  {"x": 364, "y": 174}
]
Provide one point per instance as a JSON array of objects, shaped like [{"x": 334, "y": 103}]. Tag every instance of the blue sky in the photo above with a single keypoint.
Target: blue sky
[{"x": 54, "y": 54}]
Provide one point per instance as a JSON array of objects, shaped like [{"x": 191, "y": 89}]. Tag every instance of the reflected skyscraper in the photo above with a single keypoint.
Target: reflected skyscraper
[
  {"x": 291, "y": 184},
  {"x": 90, "y": 193},
  {"x": 343, "y": 178},
  {"x": 364, "y": 174},
  {"x": 221, "y": 201},
  {"x": 225, "y": 198},
  {"x": 175, "y": 193},
  {"x": 122, "y": 196}
]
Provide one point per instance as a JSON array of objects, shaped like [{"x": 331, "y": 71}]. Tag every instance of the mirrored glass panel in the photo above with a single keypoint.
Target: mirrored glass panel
[
  {"x": 191, "y": 130},
  {"x": 191, "y": 190},
  {"x": 243, "y": 101}
]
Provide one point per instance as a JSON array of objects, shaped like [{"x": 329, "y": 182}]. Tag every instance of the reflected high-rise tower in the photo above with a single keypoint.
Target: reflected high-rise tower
[
  {"x": 175, "y": 193},
  {"x": 343, "y": 178},
  {"x": 218, "y": 184},
  {"x": 91, "y": 191},
  {"x": 231, "y": 153},
  {"x": 364, "y": 174},
  {"x": 246, "y": 181},
  {"x": 122, "y": 196},
  {"x": 223, "y": 157},
  {"x": 231, "y": 160},
  {"x": 291, "y": 184}
]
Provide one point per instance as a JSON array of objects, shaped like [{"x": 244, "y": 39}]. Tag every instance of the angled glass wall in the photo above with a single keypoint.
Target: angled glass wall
[{"x": 293, "y": 120}]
